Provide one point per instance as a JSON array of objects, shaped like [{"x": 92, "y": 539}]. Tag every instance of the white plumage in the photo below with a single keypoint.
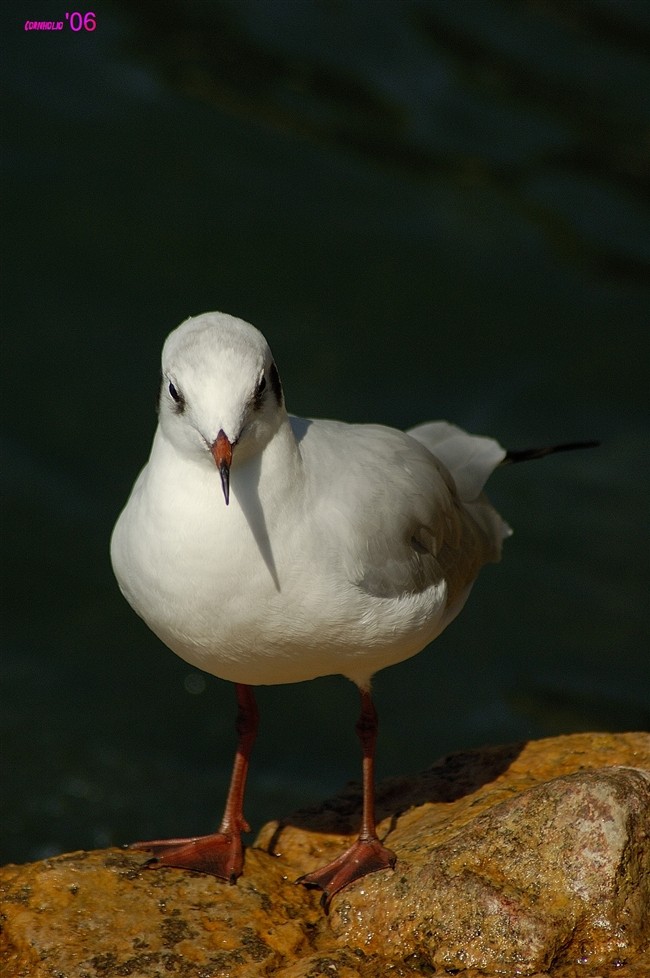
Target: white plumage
[{"x": 344, "y": 548}]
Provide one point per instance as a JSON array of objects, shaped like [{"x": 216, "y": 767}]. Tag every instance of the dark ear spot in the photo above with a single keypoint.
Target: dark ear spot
[
  {"x": 258, "y": 395},
  {"x": 276, "y": 385}
]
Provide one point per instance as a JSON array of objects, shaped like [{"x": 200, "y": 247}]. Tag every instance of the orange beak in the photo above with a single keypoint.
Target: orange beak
[{"x": 221, "y": 449}]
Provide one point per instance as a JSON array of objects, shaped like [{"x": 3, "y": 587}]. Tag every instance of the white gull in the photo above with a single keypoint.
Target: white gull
[{"x": 265, "y": 548}]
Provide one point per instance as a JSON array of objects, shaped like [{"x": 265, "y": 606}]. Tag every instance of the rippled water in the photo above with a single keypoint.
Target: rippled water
[{"x": 432, "y": 210}]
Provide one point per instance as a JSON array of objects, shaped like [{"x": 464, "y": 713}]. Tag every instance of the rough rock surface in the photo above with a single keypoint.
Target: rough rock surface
[{"x": 520, "y": 860}]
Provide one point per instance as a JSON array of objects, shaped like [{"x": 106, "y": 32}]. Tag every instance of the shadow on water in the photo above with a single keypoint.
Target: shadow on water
[{"x": 447, "y": 780}]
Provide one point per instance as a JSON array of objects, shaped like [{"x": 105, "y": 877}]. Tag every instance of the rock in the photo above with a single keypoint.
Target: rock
[
  {"x": 96, "y": 914},
  {"x": 489, "y": 895},
  {"x": 528, "y": 859}
]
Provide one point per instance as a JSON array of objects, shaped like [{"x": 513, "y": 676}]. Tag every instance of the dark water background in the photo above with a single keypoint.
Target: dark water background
[{"x": 431, "y": 209}]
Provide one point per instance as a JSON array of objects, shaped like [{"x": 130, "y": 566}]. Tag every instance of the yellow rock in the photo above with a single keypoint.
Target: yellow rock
[{"x": 528, "y": 859}]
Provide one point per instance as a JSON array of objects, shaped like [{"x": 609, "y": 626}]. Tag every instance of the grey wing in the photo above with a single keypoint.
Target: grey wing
[{"x": 417, "y": 531}]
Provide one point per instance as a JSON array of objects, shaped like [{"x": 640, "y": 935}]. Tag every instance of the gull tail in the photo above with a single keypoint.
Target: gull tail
[{"x": 525, "y": 454}]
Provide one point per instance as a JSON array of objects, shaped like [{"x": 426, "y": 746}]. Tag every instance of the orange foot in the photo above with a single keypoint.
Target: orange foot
[
  {"x": 219, "y": 854},
  {"x": 364, "y": 857}
]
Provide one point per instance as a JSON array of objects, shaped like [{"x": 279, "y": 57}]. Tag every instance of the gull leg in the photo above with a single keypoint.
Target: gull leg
[
  {"x": 367, "y": 854},
  {"x": 220, "y": 854}
]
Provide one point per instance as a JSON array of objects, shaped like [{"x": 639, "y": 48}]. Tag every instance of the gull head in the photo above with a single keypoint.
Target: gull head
[{"x": 221, "y": 399}]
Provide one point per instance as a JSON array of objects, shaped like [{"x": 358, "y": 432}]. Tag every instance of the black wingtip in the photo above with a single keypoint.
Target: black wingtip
[{"x": 526, "y": 454}]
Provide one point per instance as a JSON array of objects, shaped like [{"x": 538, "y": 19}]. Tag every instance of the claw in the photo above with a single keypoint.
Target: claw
[
  {"x": 219, "y": 854},
  {"x": 365, "y": 856}
]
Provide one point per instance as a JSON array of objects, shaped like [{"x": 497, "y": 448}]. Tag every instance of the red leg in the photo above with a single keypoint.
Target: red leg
[
  {"x": 221, "y": 853},
  {"x": 367, "y": 854}
]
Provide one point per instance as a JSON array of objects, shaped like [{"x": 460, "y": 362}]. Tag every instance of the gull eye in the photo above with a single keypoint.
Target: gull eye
[{"x": 176, "y": 396}]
